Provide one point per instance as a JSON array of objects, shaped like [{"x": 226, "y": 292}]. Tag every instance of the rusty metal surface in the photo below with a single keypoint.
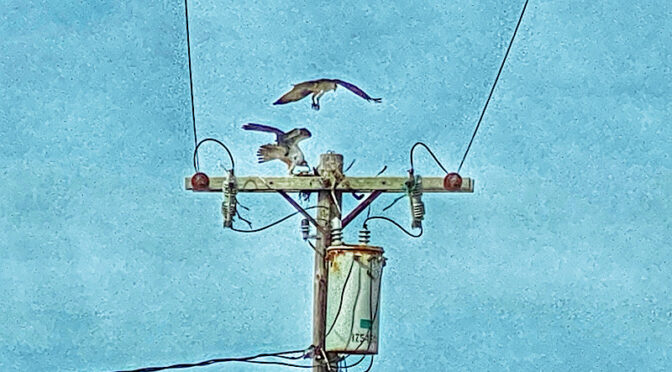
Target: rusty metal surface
[
  {"x": 335, "y": 251},
  {"x": 354, "y": 298}
]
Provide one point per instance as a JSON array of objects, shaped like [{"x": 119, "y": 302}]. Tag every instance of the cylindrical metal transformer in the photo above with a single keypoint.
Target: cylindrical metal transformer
[{"x": 353, "y": 298}]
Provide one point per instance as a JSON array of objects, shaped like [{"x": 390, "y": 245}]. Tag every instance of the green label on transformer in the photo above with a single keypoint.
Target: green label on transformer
[{"x": 365, "y": 323}]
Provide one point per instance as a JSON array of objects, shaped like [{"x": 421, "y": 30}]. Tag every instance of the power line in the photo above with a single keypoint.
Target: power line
[
  {"x": 191, "y": 82},
  {"x": 267, "y": 226},
  {"x": 249, "y": 359},
  {"x": 233, "y": 165},
  {"x": 276, "y": 222},
  {"x": 354, "y": 364},
  {"x": 396, "y": 224},
  {"x": 493, "y": 86},
  {"x": 430, "y": 153}
]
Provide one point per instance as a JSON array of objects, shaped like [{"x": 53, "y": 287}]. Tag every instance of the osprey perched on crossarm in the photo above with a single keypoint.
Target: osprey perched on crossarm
[
  {"x": 318, "y": 88},
  {"x": 286, "y": 146}
]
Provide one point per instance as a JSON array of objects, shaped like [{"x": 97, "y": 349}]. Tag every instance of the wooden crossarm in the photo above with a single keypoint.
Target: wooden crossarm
[{"x": 348, "y": 184}]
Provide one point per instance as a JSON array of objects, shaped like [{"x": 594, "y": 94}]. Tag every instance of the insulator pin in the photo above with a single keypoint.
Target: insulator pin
[
  {"x": 364, "y": 236},
  {"x": 305, "y": 229},
  {"x": 229, "y": 203},
  {"x": 417, "y": 206},
  {"x": 336, "y": 232}
]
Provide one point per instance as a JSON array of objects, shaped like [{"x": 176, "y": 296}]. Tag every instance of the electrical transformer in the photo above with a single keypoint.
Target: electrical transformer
[{"x": 353, "y": 298}]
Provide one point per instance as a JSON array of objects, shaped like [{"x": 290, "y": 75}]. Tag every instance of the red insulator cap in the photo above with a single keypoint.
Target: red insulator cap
[
  {"x": 452, "y": 181},
  {"x": 200, "y": 182}
]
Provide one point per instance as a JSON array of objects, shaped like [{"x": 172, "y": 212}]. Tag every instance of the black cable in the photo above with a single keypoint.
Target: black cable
[
  {"x": 267, "y": 226},
  {"x": 356, "y": 363},
  {"x": 395, "y": 223},
  {"x": 340, "y": 303},
  {"x": 278, "y": 364},
  {"x": 213, "y": 140},
  {"x": 375, "y": 313},
  {"x": 191, "y": 81},
  {"x": 219, "y": 360},
  {"x": 493, "y": 86},
  {"x": 370, "y": 365},
  {"x": 430, "y": 153},
  {"x": 354, "y": 304},
  {"x": 276, "y": 222},
  {"x": 313, "y": 247},
  {"x": 350, "y": 166},
  {"x": 243, "y": 219},
  {"x": 394, "y": 202}
]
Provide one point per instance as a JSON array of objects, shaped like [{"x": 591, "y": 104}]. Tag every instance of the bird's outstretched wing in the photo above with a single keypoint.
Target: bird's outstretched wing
[
  {"x": 265, "y": 128},
  {"x": 272, "y": 152},
  {"x": 296, "y": 135},
  {"x": 354, "y": 89},
  {"x": 299, "y": 91}
]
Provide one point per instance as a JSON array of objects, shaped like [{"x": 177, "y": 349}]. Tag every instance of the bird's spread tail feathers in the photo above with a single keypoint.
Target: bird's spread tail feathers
[{"x": 270, "y": 152}]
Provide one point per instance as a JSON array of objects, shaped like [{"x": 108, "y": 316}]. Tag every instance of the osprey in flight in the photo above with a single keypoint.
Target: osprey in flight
[
  {"x": 318, "y": 88},
  {"x": 286, "y": 146}
]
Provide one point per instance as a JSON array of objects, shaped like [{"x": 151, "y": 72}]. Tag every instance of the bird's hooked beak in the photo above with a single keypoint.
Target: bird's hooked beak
[{"x": 305, "y": 165}]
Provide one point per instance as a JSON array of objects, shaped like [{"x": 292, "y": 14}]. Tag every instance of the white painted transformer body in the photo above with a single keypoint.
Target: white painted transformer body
[{"x": 353, "y": 298}]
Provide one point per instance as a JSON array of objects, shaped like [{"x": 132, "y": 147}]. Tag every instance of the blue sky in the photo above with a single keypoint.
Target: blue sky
[{"x": 560, "y": 259}]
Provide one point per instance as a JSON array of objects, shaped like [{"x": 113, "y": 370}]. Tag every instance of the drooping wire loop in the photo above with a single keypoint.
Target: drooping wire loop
[
  {"x": 393, "y": 222},
  {"x": 198, "y": 145},
  {"x": 430, "y": 153}
]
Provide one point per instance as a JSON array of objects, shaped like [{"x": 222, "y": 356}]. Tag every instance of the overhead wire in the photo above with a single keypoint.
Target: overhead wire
[
  {"x": 279, "y": 364},
  {"x": 430, "y": 153},
  {"x": 350, "y": 166},
  {"x": 480, "y": 119},
  {"x": 394, "y": 202},
  {"x": 395, "y": 223},
  {"x": 356, "y": 363},
  {"x": 233, "y": 165},
  {"x": 314, "y": 248},
  {"x": 191, "y": 82},
  {"x": 249, "y": 359},
  {"x": 283, "y": 219}
]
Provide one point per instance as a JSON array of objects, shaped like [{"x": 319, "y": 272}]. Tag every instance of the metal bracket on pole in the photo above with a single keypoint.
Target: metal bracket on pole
[
  {"x": 360, "y": 207},
  {"x": 301, "y": 210}
]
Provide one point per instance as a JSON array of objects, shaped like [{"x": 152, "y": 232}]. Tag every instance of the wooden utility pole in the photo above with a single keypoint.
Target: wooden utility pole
[
  {"x": 329, "y": 207},
  {"x": 330, "y": 183}
]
